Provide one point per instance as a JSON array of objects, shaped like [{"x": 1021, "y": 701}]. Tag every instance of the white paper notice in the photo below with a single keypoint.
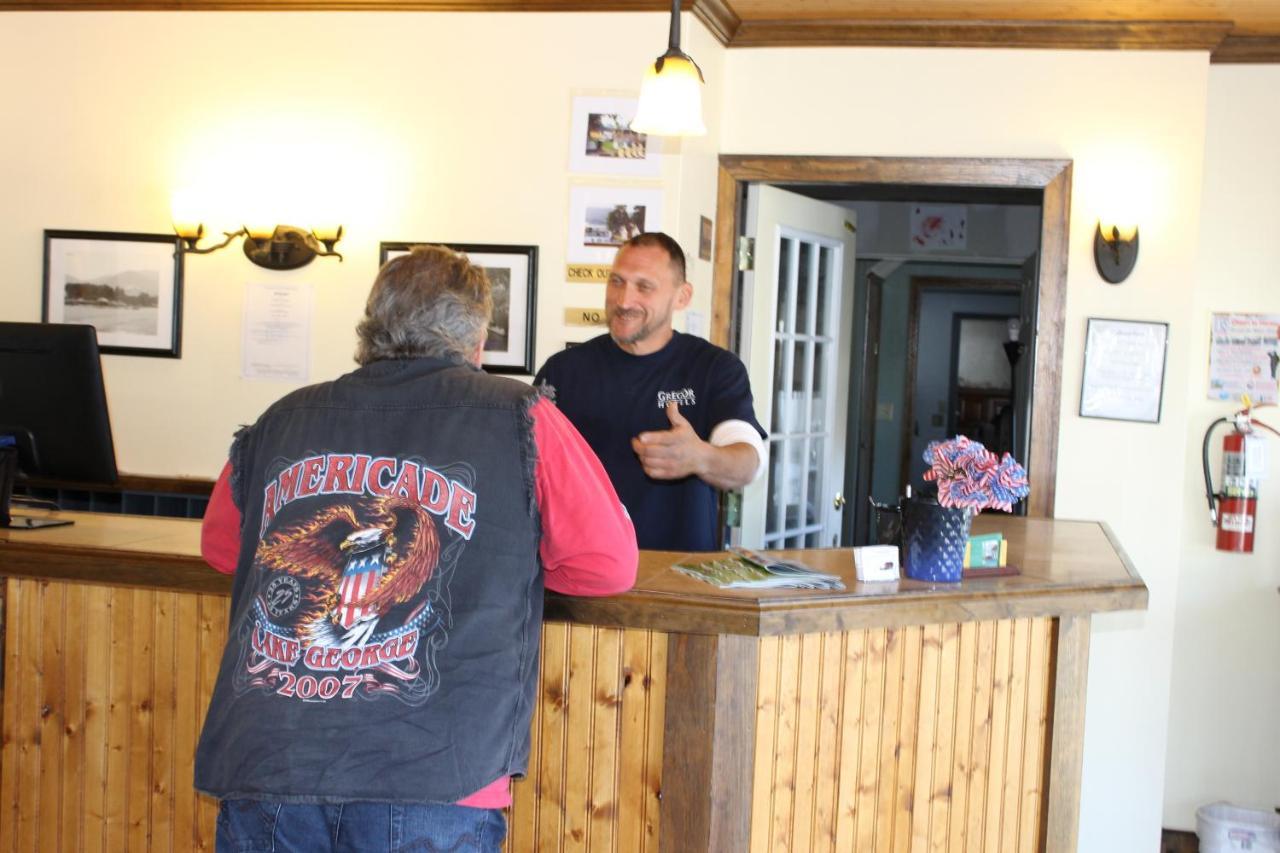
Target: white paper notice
[
  {"x": 1244, "y": 356},
  {"x": 276, "y": 342},
  {"x": 1123, "y": 370}
]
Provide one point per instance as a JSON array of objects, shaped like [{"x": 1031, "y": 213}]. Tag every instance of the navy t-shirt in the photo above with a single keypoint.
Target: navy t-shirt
[{"x": 612, "y": 396}]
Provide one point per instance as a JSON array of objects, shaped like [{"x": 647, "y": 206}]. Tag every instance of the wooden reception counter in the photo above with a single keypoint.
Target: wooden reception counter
[{"x": 903, "y": 716}]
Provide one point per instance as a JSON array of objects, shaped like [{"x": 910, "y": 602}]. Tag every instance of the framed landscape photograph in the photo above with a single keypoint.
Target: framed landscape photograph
[
  {"x": 513, "y": 275},
  {"x": 601, "y": 140},
  {"x": 127, "y": 286},
  {"x": 603, "y": 218}
]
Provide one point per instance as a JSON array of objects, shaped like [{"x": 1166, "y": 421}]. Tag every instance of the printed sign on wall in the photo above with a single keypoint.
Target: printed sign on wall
[{"x": 1244, "y": 355}]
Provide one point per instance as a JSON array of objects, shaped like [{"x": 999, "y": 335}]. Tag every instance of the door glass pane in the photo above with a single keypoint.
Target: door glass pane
[
  {"x": 825, "y": 255},
  {"x": 772, "y": 520},
  {"x": 779, "y": 384},
  {"x": 813, "y": 469},
  {"x": 794, "y": 542},
  {"x": 813, "y": 540},
  {"x": 803, "y": 354},
  {"x": 794, "y": 476},
  {"x": 818, "y": 407},
  {"x": 785, "y": 279},
  {"x": 802, "y": 283}
]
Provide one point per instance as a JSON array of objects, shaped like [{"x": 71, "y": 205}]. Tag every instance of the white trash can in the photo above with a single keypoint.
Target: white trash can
[{"x": 1224, "y": 828}]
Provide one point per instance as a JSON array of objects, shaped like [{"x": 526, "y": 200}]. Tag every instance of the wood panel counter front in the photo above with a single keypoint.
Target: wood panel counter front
[{"x": 900, "y": 716}]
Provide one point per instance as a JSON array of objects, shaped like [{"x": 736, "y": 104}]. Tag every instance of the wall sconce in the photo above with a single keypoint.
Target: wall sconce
[
  {"x": 278, "y": 247},
  {"x": 1115, "y": 250},
  {"x": 671, "y": 91}
]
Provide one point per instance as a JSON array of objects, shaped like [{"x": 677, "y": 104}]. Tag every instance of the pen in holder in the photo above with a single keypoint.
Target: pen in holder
[{"x": 886, "y": 523}]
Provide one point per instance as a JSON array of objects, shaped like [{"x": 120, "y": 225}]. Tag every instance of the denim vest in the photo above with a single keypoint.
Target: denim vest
[{"x": 387, "y": 603}]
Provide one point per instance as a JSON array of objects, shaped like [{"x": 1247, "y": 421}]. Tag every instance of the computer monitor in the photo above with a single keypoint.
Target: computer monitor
[{"x": 53, "y": 406}]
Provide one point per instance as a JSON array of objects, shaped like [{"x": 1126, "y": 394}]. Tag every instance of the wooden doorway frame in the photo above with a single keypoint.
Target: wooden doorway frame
[{"x": 1051, "y": 177}]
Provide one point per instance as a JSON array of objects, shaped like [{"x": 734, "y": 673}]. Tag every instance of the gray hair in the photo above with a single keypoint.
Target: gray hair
[{"x": 430, "y": 302}]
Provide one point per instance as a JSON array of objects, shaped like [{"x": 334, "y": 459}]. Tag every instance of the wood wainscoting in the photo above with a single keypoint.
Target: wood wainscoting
[
  {"x": 675, "y": 717},
  {"x": 920, "y": 738},
  {"x": 911, "y": 738},
  {"x": 106, "y": 689}
]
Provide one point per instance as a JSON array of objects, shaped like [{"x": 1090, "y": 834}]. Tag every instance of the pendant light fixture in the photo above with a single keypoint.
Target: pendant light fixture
[{"x": 671, "y": 92}]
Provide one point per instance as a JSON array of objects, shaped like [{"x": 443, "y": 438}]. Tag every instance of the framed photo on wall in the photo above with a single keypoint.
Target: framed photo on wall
[
  {"x": 1124, "y": 370},
  {"x": 602, "y": 218},
  {"x": 513, "y": 274},
  {"x": 127, "y": 286},
  {"x": 602, "y": 142}
]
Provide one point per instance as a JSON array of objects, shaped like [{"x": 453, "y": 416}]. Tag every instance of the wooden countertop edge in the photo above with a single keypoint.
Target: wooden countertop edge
[
  {"x": 714, "y": 613},
  {"x": 113, "y": 567},
  {"x": 908, "y": 607}
]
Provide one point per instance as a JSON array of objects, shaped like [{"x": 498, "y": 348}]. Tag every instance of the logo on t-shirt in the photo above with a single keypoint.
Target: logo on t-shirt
[{"x": 683, "y": 397}]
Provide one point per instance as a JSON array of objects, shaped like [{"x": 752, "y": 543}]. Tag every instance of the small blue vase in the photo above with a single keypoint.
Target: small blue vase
[{"x": 933, "y": 540}]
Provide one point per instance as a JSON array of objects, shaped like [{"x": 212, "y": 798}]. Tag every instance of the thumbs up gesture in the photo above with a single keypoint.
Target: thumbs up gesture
[{"x": 672, "y": 453}]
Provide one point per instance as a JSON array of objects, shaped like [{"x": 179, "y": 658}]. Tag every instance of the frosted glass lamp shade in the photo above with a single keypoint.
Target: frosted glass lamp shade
[{"x": 671, "y": 99}]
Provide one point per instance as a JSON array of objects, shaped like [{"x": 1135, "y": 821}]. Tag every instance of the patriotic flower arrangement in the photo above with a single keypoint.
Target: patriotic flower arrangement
[{"x": 971, "y": 477}]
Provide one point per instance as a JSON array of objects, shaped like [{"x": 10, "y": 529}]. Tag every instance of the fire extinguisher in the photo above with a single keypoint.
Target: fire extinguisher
[{"x": 1234, "y": 511}]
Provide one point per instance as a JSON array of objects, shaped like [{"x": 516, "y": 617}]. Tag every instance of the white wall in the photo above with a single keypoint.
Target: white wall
[
  {"x": 454, "y": 127},
  {"x": 422, "y": 127},
  {"x": 1224, "y": 729},
  {"x": 1132, "y": 121}
]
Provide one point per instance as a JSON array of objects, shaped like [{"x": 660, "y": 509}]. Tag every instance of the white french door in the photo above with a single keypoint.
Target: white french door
[{"x": 797, "y": 324}]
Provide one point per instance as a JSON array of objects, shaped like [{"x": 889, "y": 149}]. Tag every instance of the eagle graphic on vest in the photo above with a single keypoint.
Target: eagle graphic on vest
[{"x": 369, "y": 556}]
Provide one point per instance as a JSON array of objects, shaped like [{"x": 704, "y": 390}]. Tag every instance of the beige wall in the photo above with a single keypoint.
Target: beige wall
[
  {"x": 455, "y": 127},
  {"x": 1223, "y": 733},
  {"x": 1148, "y": 144},
  {"x": 448, "y": 127}
]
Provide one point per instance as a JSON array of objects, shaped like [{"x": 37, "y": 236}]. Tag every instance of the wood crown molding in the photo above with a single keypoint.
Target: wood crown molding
[
  {"x": 718, "y": 17},
  {"x": 340, "y": 5},
  {"x": 1241, "y": 49},
  {"x": 1086, "y": 35}
]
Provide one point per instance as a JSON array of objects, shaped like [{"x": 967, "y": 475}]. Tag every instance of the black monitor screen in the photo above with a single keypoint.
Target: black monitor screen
[{"x": 53, "y": 404}]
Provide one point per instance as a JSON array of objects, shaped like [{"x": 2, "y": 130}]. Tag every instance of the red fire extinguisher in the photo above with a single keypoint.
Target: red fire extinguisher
[{"x": 1234, "y": 511}]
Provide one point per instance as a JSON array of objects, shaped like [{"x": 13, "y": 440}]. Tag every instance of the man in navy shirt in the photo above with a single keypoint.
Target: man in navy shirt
[{"x": 669, "y": 414}]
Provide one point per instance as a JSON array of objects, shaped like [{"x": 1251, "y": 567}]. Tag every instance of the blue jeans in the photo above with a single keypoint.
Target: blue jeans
[{"x": 259, "y": 826}]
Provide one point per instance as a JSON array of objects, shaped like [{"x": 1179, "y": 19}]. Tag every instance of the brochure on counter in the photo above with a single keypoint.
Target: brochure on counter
[{"x": 746, "y": 569}]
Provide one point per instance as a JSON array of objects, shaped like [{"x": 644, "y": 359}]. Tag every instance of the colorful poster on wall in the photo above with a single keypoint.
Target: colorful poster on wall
[
  {"x": 1244, "y": 355},
  {"x": 939, "y": 226}
]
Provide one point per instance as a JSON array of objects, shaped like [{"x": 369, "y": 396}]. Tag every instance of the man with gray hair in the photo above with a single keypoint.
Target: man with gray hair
[{"x": 391, "y": 533}]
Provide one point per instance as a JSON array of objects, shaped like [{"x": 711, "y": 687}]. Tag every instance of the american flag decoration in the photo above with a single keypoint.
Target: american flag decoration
[
  {"x": 366, "y": 564},
  {"x": 971, "y": 477}
]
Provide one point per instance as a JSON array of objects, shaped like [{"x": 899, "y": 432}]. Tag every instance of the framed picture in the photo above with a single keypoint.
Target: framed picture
[
  {"x": 513, "y": 274},
  {"x": 127, "y": 286},
  {"x": 603, "y": 218},
  {"x": 602, "y": 142},
  {"x": 1124, "y": 370}
]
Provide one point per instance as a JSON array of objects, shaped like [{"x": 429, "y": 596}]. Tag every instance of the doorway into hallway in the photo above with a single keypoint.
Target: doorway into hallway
[{"x": 963, "y": 338}]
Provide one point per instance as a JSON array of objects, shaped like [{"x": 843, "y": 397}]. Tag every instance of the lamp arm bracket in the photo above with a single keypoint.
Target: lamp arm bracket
[{"x": 190, "y": 245}]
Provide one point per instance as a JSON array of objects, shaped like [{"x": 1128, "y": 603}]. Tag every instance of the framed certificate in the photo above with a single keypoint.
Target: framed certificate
[{"x": 1124, "y": 370}]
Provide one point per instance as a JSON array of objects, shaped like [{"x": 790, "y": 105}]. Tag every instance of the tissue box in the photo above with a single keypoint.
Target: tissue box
[{"x": 876, "y": 563}]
